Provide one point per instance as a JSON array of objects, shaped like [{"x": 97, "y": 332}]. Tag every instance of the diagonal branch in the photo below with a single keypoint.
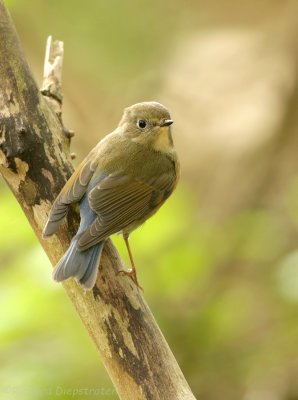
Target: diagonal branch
[{"x": 35, "y": 162}]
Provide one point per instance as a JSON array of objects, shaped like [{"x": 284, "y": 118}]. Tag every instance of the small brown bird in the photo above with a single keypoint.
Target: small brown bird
[{"x": 120, "y": 184}]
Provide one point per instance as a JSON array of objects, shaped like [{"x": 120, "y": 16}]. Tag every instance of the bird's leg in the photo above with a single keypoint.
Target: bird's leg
[{"x": 132, "y": 273}]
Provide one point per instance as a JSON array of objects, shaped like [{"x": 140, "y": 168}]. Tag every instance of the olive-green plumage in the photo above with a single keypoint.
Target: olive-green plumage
[{"x": 120, "y": 184}]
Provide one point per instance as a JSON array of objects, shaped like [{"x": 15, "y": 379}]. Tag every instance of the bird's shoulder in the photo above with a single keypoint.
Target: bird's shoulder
[{"x": 117, "y": 153}]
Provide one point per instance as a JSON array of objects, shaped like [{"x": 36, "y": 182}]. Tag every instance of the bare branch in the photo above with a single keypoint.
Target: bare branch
[
  {"x": 52, "y": 73},
  {"x": 52, "y": 80}
]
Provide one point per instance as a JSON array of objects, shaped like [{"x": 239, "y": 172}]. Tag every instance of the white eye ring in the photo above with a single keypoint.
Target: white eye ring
[{"x": 141, "y": 124}]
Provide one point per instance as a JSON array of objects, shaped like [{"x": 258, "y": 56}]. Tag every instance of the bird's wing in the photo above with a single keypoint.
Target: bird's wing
[
  {"x": 73, "y": 191},
  {"x": 120, "y": 200}
]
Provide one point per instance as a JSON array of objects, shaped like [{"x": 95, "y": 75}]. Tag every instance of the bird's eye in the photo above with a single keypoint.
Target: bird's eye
[{"x": 141, "y": 123}]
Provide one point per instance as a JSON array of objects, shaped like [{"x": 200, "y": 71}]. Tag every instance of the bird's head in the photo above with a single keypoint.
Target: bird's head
[{"x": 148, "y": 124}]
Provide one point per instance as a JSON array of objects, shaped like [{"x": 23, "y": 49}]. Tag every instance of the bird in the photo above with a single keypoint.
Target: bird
[{"x": 121, "y": 183}]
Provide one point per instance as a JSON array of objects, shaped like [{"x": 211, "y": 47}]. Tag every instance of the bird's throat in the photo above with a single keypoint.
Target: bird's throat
[{"x": 163, "y": 141}]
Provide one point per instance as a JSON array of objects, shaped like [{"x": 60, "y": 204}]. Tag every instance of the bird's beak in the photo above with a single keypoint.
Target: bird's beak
[{"x": 167, "y": 122}]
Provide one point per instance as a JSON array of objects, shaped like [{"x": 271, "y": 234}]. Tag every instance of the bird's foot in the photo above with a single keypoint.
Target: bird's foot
[{"x": 132, "y": 273}]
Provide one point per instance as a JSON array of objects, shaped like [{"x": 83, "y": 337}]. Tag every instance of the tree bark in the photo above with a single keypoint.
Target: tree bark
[{"x": 35, "y": 162}]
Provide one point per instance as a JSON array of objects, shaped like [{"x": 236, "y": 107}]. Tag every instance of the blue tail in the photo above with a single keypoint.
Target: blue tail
[{"x": 81, "y": 265}]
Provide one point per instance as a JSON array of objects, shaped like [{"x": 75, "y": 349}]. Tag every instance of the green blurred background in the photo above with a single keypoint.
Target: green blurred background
[{"x": 219, "y": 262}]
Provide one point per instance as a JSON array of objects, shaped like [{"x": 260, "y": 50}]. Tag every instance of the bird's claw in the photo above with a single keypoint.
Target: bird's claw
[{"x": 132, "y": 274}]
